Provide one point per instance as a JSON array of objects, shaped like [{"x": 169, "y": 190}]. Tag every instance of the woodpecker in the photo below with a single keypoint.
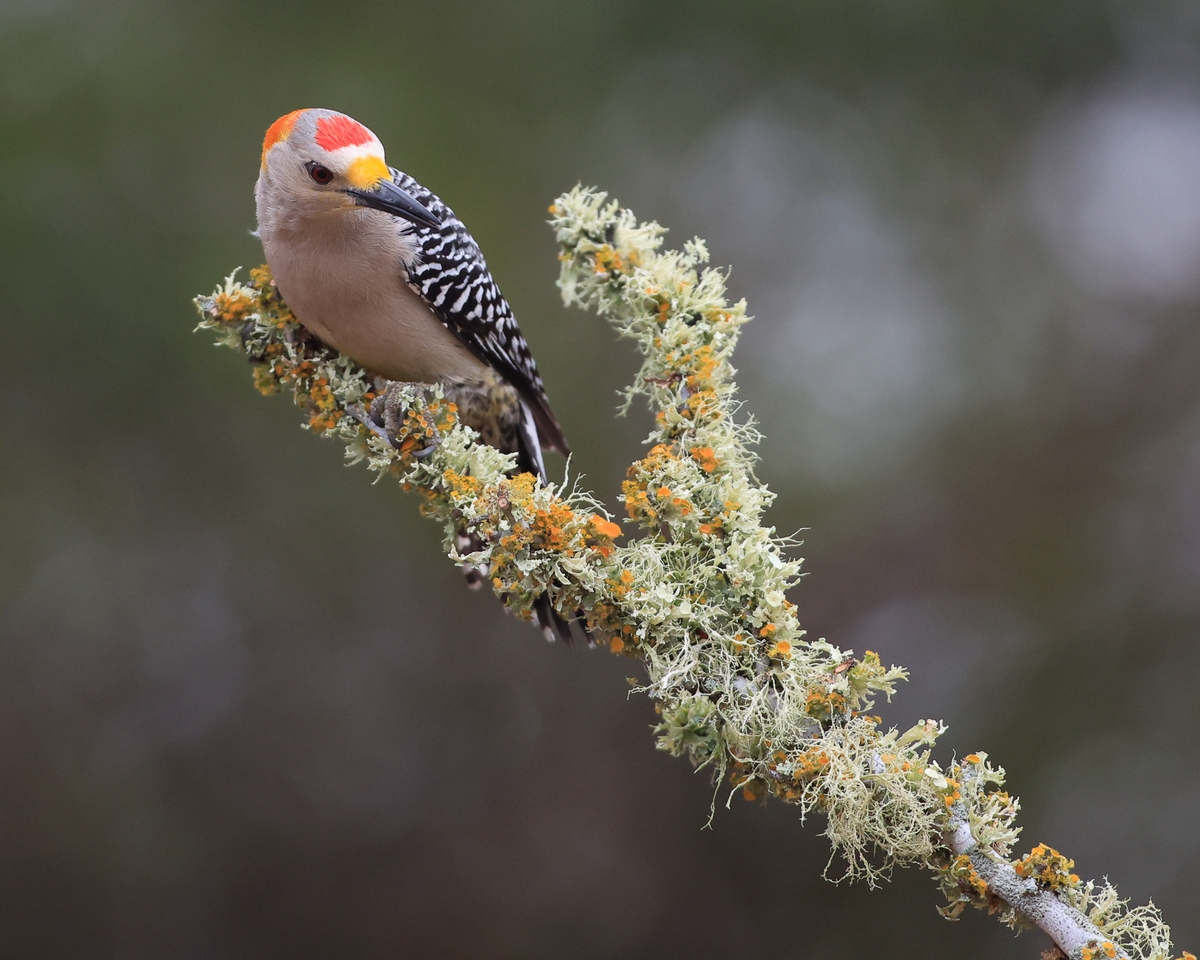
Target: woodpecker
[{"x": 379, "y": 268}]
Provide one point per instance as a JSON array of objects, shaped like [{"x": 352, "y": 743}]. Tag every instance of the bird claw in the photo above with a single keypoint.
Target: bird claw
[
  {"x": 370, "y": 424},
  {"x": 380, "y": 412}
]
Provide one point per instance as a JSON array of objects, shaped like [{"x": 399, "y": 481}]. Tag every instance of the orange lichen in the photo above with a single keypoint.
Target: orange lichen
[
  {"x": 635, "y": 490},
  {"x": 1048, "y": 867},
  {"x": 461, "y": 486},
  {"x": 706, "y": 457},
  {"x": 703, "y": 404},
  {"x": 811, "y": 762},
  {"x": 703, "y": 368},
  {"x": 320, "y": 422},
  {"x": 824, "y": 705},
  {"x": 968, "y": 877},
  {"x": 609, "y": 260},
  {"x": 605, "y": 528},
  {"x": 953, "y": 792},
  {"x": 599, "y": 534},
  {"x": 780, "y": 650},
  {"x": 550, "y": 527},
  {"x": 232, "y": 307}
]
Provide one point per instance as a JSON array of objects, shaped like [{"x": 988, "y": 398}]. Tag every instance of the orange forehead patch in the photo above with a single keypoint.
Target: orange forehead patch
[
  {"x": 279, "y": 130},
  {"x": 336, "y": 132}
]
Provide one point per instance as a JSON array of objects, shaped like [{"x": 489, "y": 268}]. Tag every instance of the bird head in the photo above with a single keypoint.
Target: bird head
[{"x": 326, "y": 162}]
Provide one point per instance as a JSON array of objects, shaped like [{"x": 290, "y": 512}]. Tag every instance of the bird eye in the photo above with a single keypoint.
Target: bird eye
[{"x": 319, "y": 174}]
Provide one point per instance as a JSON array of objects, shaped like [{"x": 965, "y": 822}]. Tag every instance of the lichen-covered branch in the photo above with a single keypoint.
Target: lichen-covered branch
[{"x": 698, "y": 591}]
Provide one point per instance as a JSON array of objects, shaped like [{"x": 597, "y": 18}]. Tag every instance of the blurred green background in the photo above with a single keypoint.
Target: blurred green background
[{"x": 248, "y": 711}]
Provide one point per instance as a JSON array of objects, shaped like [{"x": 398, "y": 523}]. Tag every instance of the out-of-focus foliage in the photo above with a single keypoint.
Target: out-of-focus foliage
[{"x": 970, "y": 233}]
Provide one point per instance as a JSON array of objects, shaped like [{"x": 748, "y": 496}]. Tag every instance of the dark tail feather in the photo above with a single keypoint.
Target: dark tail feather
[
  {"x": 529, "y": 451},
  {"x": 529, "y": 447},
  {"x": 553, "y": 626},
  {"x": 548, "y": 431},
  {"x": 474, "y": 574}
]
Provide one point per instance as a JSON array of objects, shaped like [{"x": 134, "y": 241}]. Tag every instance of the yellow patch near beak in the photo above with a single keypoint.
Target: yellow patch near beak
[{"x": 365, "y": 172}]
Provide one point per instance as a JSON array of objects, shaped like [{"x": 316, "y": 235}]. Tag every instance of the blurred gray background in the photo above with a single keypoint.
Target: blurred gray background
[{"x": 248, "y": 711}]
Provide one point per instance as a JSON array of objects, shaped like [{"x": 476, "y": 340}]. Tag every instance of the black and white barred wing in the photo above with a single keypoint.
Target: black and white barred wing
[{"x": 453, "y": 278}]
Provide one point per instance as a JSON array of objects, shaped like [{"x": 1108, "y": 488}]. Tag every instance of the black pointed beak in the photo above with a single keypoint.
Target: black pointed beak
[{"x": 389, "y": 198}]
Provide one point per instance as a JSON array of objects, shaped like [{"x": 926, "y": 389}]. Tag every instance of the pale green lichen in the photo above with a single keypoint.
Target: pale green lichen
[
  {"x": 1138, "y": 931},
  {"x": 700, "y": 594}
]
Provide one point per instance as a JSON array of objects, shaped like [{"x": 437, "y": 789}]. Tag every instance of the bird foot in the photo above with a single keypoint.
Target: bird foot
[{"x": 358, "y": 414}]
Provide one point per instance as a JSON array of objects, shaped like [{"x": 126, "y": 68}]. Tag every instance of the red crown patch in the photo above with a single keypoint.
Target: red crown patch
[{"x": 336, "y": 132}]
